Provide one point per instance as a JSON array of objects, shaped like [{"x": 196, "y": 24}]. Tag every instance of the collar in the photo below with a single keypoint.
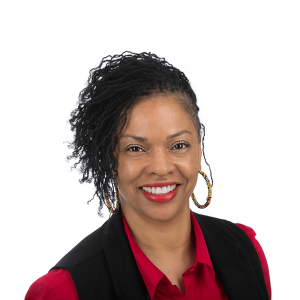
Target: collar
[{"x": 150, "y": 273}]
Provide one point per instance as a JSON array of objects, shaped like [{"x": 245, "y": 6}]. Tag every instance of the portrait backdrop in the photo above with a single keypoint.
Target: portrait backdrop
[{"x": 242, "y": 59}]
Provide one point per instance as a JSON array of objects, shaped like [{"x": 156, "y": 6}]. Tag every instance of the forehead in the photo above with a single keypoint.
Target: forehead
[{"x": 157, "y": 114}]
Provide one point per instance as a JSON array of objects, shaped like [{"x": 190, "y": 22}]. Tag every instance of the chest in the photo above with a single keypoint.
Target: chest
[{"x": 174, "y": 267}]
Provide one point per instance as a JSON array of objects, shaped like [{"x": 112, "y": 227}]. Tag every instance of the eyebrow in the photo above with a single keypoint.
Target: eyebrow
[{"x": 141, "y": 139}]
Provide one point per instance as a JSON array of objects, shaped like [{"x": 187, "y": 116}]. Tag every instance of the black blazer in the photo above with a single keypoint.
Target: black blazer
[{"x": 103, "y": 267}]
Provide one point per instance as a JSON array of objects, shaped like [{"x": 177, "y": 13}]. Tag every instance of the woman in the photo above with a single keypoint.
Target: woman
[{"x": 138, "y": 136}]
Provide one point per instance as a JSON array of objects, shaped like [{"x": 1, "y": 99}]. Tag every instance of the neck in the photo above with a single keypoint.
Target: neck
[{"x": 173, "y": 238}]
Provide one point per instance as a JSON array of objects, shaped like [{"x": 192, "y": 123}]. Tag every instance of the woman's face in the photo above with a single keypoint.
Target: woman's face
[{"x": 148, "y": 154}]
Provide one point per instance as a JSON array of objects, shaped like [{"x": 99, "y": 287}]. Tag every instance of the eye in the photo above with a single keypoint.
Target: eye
[
  {"x": 181, "y": 145},
  {"x": 178, "y": 146},
  {"x": 133, "y": 148}
]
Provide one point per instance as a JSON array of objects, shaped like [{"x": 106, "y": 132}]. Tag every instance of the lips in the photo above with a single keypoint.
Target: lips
[{"x": 160, "y": 198}]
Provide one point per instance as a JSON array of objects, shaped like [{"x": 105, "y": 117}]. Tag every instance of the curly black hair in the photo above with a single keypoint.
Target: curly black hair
[{"x": 111, "y": 90}]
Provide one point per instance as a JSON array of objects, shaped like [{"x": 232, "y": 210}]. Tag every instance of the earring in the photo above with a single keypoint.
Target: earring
[
  {"x": 209, "y": 193},
  {"x": 109, "y": 204}
]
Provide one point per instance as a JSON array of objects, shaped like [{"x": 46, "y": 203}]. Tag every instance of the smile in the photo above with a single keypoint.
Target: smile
[
  {"x": 160, "y": 190},
  {"x": 160, "y": 195}
]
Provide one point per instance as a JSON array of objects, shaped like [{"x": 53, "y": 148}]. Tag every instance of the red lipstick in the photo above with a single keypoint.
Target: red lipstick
[{"x": 160, "y": 198}]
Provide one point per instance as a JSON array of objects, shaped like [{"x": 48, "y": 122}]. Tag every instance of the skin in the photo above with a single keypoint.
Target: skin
[{"x": 162, "y": 230}]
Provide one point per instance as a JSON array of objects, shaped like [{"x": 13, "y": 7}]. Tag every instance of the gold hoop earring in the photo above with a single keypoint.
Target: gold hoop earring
[
  {"x": 208, "y": 199},
  {"x": 108, "y": 204}
]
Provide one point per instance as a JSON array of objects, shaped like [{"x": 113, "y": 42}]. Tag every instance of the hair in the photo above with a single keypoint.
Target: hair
[{"x": 112, "y": 89}]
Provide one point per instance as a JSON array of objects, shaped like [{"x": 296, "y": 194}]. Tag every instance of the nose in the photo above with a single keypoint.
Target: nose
[{"x": 160, "y": 162}]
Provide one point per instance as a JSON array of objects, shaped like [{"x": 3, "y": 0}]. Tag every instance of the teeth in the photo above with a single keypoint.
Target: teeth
[{"x": 159, "y": 190}]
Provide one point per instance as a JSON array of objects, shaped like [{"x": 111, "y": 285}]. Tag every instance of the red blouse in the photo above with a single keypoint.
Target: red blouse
[{"x": 199, "y": 280}]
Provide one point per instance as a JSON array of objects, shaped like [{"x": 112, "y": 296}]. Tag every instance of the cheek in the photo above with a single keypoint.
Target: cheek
[
  {"x": 128, "y": 170},
  {"x": 190, "y": 166}
]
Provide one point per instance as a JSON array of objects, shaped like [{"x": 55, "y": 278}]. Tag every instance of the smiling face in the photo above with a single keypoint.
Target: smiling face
[{"x": 159, "y": 144}]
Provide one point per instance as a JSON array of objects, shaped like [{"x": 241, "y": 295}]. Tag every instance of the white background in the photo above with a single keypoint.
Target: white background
[{"x": 242, "y": 58}]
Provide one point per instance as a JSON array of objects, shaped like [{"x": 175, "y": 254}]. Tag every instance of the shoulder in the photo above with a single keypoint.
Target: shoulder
[
  {"x": 56, "y": 285},
  {"x": 90, "y": 247},
  {"x": 248, "y": 230},
  {"x": 236, "y": 232},
  {"x": 263, "y": 260},
  {"x": 232, "y": 231},
  {"x": 59, "y": 284},
  {"x": 222, "y": 232}
]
